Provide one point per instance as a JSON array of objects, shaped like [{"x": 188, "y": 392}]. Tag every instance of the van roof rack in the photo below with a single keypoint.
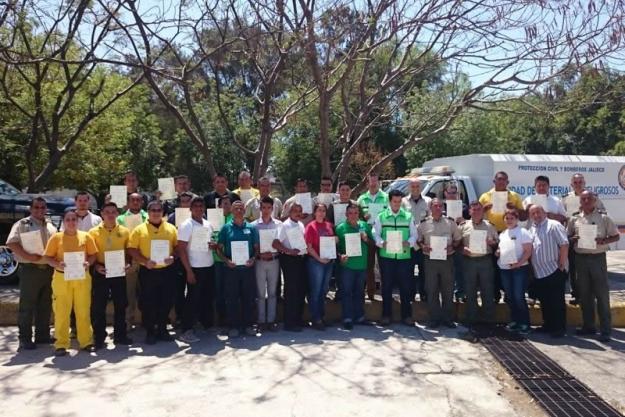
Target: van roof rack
[{"x": 435, "y": 170}]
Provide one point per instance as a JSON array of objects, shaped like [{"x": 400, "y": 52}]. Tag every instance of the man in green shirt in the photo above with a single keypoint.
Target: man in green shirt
[
  {"x": 353, "y": 265},
  {"x": 371, "y": 203}
]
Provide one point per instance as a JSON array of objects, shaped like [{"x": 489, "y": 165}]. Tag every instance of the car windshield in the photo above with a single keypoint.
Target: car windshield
[
  {"x": 6, "y": 188},
  {"x": 403, "y": 185}
]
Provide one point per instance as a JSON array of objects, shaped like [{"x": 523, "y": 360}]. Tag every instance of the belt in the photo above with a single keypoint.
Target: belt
[
  {"x": 60, "y": 272},
  {"x": 38, "y": 266},
  {"x": 273, "y": 258},
  {"x": 477, "y": 258}
]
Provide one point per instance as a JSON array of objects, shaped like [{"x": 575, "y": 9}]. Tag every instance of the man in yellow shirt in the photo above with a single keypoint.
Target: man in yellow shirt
[
  {"x": 111, "y": 240},
  {"x": 514, "y": 202},
  {"x": 152, "y": 245},
  {"x": 70, "y": 253},
  {"x": 245, "y": 191}
]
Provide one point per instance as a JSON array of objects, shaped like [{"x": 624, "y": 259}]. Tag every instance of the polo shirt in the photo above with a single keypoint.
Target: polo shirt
[
  {"x": 253, "y": 192},
  {"x": 109, "y": 240},
  {"x": 605, "y": 228},
  {"x": 468, "y": 226},
  {"x": 357, "y": 263},
  {"x": 197, "y": 259},
  {"x": 547, "y": 237},
  {"x": 232, "y": 232},
  {"x": 496, "y": 219},
  {"x": 444, "y": 226},
  {"x": 142, "y": 236},
  {"x": 60, "y": 243},
  {"x": 121, "y": 219}
]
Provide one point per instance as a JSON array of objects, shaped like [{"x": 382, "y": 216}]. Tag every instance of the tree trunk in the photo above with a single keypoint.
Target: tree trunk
[{"x": 324, "y": 134}]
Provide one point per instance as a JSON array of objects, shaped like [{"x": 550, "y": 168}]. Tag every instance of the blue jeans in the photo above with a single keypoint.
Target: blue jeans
[
  {"x": 353, "y": 296},
  {"x": 319, "y": 280},
  {"x": 396, "y": 272},
  {"x": 514, "y": 283}
]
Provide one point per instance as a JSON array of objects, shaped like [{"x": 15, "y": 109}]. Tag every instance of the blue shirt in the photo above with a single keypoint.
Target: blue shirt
[{"x": 231, "y": 232}]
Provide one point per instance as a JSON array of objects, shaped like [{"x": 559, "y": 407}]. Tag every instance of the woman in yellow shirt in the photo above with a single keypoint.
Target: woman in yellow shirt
[{"x": 70, "y": 253}]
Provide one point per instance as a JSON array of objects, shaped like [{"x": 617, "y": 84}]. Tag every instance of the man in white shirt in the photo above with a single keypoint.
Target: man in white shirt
[
  {"x": 197, "y": 260},
  {"x": 86, "y": 219},
  {"x": 419, "y": 207},
  {"x": 267, "y": 267},
  {"x": 553, "y": 205},
  {"x": 293, "y": 264}
]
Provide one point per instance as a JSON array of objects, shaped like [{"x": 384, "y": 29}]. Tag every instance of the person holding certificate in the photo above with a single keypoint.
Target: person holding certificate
[
  {"x": 238, "y": 246},
  {"x": 267, "y": 266},
  {"x": 196, "y": 257},
  {"x": 354, "y": 238},
  {"x": 301, "y": 187},
  {"x": 70, "y": 253},
  {"x": 245, "y": 191},
  {"x": 478, "y": 239},
  {"x": 291, "y": 245},
  {"x": 395, "y": 233},
  {"x": 590, "y": 232},
  {"x": 27, "y": 239},
  {"x": 514, "y": 251},
  {"x": 225, "y": 205},
  {"x": 371, "y": 203},
  {"x": 130, "y": 219},
  {"x": 419, "y": 207},
  {"x": 320, "y": 262},
  {"x": 438, "y": 236},
  {"x": 455, "y": 208},
  {"x": 152, "y": 245},
  {"x": 109, "y": 277},
  {"x": 220, "y": 190},
  {"x": 553, "y": 205},
  {"x": 252, "y": 207}
]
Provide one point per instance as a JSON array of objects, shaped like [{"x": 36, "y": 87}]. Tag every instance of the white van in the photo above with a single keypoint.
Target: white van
[{"x": 605, "y": 175}]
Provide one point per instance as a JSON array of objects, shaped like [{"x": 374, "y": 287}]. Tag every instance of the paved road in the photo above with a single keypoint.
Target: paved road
[{"x": 372, "y": 372}]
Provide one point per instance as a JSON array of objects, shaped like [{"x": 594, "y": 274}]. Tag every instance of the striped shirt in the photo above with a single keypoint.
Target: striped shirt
[{"x": 548, "y": 237}]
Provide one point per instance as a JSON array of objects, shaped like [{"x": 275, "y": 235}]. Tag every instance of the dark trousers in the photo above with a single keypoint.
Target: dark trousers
[
  {"x": 371, "y": 273},
  {"x": 181, "y": 286},
  {"x": 240, "y": 294},
  {"x": 396, "y": 272},
  {"x": 418, "y": 284},
  {"x": 573, "y": 272},
  {"x": 294, "y": 271},
  {"x": 550, "y": 292},
  {"x": 157, "y": 294},
  {"x": 220, "y": 292},
  {"x": 35, "y": 301},
  {"x": 101, "y": 289},
  {"x": 200, "y": 299}
]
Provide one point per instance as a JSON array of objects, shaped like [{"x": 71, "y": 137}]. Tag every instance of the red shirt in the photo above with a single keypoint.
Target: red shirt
[{"x": 314, "y": 230}]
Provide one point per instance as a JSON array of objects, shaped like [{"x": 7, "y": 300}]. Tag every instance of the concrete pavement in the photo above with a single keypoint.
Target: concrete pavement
[{"x": 368, "y": 372}]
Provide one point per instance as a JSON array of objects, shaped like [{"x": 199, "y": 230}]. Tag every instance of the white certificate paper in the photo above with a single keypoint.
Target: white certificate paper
[
  {"x": 239, "y": 250},
  {"x": 200, "y": 237},
  {"x": 327, "y": 247},
  {"x": 296, "y": 239},
  {"x": 454, "y": 208},
  {"x": 167, "y": 189},
  {"x": 119, "y": 195},
  {"x": 133, "y": 221},
  {"x": 215, "y": 217},
  {"x": 540, "y": 200},
  {"x": 74, "y": 266},
  {"x": 159, "y": 251},
  {"x": 477, "y": 241},
  {"x": 439, "y": 247},
  {"x": 352, "y": 244},
  {"x": 572, "y": 205},
  {"x": 500, "y": 201},
  {"x": 339, "y": 212},
  {"x": 246, "y": 195},
  {"x": 115, "y": 263},
  {"x": 181, "y": 215},
  {"x": 507, "y": 252},
  {"x": 31, "y": 242},
  {"x": 587, "y": 236},
  {"x": 304, "y": 200},
  {"x": 325, "y": 198},
  {"x": 374, "y": 210},
  {"x": 394, "y": 241},
  {"x": 266, "y": 237}
]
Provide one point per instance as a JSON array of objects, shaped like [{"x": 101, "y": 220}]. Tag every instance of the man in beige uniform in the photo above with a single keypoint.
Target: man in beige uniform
[
  {"x": 478, "y": 265},
  {"x": 591, "y": 266},
  {"x": 419, "y": 207},
  {"x": 439, "y": 274},
  {"x": 252, "y": 207},
  {"x": 35, "y": 274},
  {"x": 571, "y": 203}
]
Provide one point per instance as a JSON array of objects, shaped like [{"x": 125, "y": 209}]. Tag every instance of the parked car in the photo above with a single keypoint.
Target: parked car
[{"x": 15, "y": 205}]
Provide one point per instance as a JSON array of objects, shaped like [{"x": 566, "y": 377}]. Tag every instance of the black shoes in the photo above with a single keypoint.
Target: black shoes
[{"x": 26, "y": 345}]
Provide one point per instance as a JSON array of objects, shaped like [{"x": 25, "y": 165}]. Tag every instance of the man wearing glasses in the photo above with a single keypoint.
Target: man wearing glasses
[{"x": 35, "y": 274}]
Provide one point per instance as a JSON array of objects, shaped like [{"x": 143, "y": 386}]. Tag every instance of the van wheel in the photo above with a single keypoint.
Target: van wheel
[{"x": 8, "y": 266}]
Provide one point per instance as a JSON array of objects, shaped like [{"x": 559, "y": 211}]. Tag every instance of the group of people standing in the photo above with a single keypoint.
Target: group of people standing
[{"x": 232, "y": 269}]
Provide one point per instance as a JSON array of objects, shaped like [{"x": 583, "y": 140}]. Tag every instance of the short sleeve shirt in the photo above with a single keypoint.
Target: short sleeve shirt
[
  {"x": 29, "y": 224},
  {"x": 197, "y": 259},
  {"x": 142, "y": 236},
  {"x": 496, "y": 219},
  {"x": 315, "y": 230},
  {"x": 468, "y": 226},
  {"x": 231, "y": 232},
  {"x": 519, "y": 236},
  {"x": 605, "y": 228},
  {"x": 109, "y": 240}
]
